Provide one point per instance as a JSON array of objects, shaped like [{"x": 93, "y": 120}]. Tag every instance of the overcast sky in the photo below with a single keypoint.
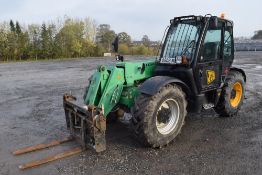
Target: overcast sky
[{"x": 136, "y": 17}]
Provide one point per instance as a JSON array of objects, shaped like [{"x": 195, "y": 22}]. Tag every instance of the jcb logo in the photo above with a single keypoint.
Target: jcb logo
[{"x": 211, "y": 76}]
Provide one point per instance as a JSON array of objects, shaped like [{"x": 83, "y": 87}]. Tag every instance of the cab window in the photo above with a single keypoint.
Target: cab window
[
  {"x": 227, "y": 45},
  {"x": 212, "y": 44}
]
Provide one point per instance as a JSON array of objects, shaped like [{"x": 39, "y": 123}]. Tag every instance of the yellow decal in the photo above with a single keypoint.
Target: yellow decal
[{"x": 211, "y": 76}]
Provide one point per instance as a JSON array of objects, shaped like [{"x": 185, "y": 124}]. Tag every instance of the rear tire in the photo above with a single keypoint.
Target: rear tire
[
  {"x": 158, "y": 119},
  {"x": 232, "y": 95}
]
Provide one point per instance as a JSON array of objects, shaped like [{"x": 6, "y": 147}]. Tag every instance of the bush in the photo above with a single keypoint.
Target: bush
[
  {"x": 142, "y": 50},
  {"x": 123, "y": 49}
]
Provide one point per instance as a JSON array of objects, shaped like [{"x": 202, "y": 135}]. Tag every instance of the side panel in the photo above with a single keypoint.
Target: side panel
[
  {"x": 112, "y": 92},
  {"x": 184, "y": 74},
  {"x": 105, "y": 88},
  {"x": 128, "y": 96},
  {"x": 209, "y": 74},
  {"x": 135, "y": 71},
  {"x": 96, "y": 86}
]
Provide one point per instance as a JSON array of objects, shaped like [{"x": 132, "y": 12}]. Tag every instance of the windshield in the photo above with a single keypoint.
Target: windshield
[{"x": 181, "y": 39}]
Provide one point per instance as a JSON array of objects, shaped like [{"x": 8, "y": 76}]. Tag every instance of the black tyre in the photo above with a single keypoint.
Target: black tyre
[
  {"x": 232, "y": 95},
  {"x": 158, "y": 119}
]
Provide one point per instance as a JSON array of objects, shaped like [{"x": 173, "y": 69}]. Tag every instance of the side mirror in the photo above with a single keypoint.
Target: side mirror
[
  {"x": 213, "y": 22},
  {"x": 115, "y": 44}
]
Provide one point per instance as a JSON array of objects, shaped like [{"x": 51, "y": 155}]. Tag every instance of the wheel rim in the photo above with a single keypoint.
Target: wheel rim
[
  {"x": 236, "y": 94},
  {"x": 167, "y": 116}
]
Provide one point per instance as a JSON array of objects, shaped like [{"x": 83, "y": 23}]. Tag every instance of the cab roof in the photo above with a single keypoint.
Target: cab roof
[{"x": 200, "y": 18}]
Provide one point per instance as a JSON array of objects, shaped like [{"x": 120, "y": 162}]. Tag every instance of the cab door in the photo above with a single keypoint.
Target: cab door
[{"x": 211, "y": 58}]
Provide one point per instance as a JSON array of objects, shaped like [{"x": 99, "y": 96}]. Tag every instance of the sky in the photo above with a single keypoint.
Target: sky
[{"x": 136, "y": 17}]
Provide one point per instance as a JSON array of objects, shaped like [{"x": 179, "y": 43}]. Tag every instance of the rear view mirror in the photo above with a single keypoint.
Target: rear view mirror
[
  {"x": 115, "y": 44},
  {"x": 213, "y": 22}
]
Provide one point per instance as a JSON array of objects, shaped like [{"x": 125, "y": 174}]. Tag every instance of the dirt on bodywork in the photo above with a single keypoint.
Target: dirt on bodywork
[{"x": 31, "y": 112}]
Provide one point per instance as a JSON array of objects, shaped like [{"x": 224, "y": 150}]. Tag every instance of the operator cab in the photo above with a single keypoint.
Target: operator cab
[
  {"x": 199, "y": 50},
  {"x": 197, "y": 44},
  {"x": 189, "y": 35}
]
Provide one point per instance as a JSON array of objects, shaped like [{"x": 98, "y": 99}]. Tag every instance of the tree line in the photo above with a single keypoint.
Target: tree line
[
  {"x": 257, "y": 35},
  {"x": 64, "y": 38}
]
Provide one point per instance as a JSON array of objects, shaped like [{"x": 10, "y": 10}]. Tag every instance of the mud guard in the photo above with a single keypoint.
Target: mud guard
[
  {"x": 241, "y": 71},
  {"x": 152, "y": 85}
]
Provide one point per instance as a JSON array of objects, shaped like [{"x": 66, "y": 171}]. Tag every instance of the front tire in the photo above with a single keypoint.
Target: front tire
[
  {"x": 232, "y": 95},
  {"x": 158, "y": 119}
]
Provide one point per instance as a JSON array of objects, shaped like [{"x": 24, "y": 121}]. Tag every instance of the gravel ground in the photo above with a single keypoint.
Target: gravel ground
[{"x": 31, "y": 112}]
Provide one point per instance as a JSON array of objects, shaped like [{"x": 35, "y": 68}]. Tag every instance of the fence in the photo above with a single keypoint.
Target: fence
[{"x": 248, "y": 45}]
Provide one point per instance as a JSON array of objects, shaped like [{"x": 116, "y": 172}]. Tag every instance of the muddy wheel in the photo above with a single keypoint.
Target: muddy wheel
[
  {"x": 158, "y": 119},
  {"x": 232, "y": 95}
]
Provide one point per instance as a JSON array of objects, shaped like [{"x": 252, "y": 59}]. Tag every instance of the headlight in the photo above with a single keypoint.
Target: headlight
[{"x": 178, "y": 59}]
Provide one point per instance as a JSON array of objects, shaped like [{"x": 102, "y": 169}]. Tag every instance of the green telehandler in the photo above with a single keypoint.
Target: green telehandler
[{"x": 193, "y": 72}]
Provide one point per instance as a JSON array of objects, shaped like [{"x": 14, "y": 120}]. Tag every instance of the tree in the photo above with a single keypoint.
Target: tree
[
  {"x": 12, "y": 26},
  {"x": 90, "y": 27},
  {"x": 22, "y": 41},
  {"x": 64, "y": 38},
  {"x": 146, "y": 41},
  {"x": 140, "y": 50},
  {"x": 88, "y": 48},
  {"x": 18, "y": 28},
  {"x": 34, "y": 32},
  {"x": 105, "y": 36},
  {"x": 12, "y": 42},
  {"x": 123, "y": 49},
  {"x": 51, "y": 31},
  {"x": 257, "y": 35},
  {"x": 23, "y": 44},
  {"x": 70, "y": 38},
  {"x": 44, "y": 42},
  {"x": 4, "y": 28},
  {"x": 124, "y": 38}
]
